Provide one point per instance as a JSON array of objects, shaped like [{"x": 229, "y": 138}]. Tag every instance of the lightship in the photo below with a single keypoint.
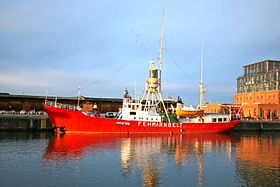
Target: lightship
[{"x": 146, "y": 115}]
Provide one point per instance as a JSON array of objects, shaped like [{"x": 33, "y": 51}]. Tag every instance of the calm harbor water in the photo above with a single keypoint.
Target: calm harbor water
[{"x": 46, "y": 159}]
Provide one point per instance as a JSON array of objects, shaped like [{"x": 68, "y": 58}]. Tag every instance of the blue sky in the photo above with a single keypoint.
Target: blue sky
[{"x": 104, "y": 46}]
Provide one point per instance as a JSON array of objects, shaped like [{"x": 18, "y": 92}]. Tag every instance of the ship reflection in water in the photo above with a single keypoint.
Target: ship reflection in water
[
  {"x": 147, "y": 160},
  {"x": 45, "y": 159}
]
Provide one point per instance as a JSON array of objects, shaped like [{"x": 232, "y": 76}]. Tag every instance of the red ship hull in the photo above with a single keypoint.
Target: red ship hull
[{"x": 77, "y": 122}]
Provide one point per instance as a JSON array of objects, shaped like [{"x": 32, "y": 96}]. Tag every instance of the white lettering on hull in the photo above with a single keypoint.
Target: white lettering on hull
[
  {"x": 159, "y": 124},
  {"x": 122, "y": 123}
]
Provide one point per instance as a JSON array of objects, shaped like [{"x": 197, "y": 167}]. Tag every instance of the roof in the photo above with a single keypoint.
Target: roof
[
  {"x": 7, "y": 95},
  {"x": 262, "y": 61}
]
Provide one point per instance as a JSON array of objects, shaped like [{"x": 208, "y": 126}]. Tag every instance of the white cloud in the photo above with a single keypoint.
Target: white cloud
[
  {"x": 38, "y": 78},
  {"x": 16, "y": 79}
]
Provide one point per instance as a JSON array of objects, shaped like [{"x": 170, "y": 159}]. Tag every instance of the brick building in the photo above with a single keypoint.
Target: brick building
[
  {"x": 27, "y": 102},
  {"x": 258, "y": 90}
]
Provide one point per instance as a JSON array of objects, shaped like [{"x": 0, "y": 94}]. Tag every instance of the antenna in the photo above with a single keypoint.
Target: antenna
[
  {"x": 135, "y": 91},
  {"x": 161, "y": 49},
  {"x": 55, "y": 102},
  {"x": 46, "y": 98},
  {"x": 79, "y": 93}
]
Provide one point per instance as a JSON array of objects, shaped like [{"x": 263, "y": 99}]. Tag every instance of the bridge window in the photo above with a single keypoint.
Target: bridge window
[
  {"x": 132, "y": 113},
  {"x": 220, "y": 119},
  {"x": 214, "y": 120},
  {"x": 225, "y": 119}
]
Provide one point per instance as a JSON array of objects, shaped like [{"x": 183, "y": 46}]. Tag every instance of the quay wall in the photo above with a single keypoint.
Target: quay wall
[
  {"x": 25, "y": 122},
  {"x": 258, "y": 126}
]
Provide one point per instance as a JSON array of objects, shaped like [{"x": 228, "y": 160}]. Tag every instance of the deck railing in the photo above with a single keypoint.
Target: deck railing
[{"x": 61, "y": 105}]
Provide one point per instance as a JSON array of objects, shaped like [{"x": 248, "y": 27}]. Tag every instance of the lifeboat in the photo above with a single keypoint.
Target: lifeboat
[{"x": 189, "y": 113}]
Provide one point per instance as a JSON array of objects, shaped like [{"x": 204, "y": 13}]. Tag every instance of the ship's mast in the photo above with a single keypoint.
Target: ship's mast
[
  {"x": 160, "y": 50},
  {"x": 152, "y": 94},
  {"x": 201, "y": 84}
]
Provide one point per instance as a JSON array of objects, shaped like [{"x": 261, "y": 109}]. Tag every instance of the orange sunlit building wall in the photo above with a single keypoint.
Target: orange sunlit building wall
[
  {"x": 258, "y": 91},
  {"x": 259, "y": 105}
]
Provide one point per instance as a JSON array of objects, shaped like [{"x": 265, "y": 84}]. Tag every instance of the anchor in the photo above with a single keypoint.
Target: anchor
[{"x": 62, "y": 129}]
